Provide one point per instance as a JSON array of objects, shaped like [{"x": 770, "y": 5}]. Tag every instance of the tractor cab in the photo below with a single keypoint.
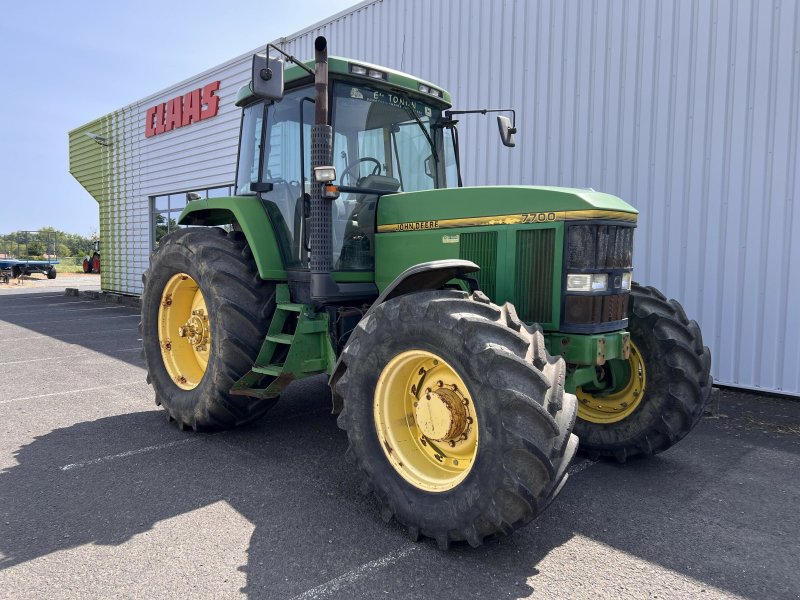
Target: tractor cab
[{"x": 387, "y": 139}]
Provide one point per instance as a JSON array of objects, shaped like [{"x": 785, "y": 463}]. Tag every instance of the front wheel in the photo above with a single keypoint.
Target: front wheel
[
  {"x": 456, "y": 415},
  {"x": 658, "y": 395},
  {"x": 205, "y": 313},
  {"x": 51, "y": 273}
]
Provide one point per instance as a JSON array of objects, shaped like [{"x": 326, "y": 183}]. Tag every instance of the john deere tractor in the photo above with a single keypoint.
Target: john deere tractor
[{"x": 463, "y": 329}]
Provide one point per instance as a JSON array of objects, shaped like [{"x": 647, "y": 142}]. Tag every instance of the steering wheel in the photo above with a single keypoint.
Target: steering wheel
[{"x": 375, "y": 171}]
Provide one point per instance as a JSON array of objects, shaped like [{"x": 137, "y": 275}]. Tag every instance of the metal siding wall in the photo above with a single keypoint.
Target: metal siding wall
[{"x": 687, "y": 109}]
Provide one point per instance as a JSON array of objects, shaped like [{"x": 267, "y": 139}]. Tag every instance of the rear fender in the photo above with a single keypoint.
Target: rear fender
[
  {"x": 249, "y": 214},
  {"x": 418, "y": 278}
]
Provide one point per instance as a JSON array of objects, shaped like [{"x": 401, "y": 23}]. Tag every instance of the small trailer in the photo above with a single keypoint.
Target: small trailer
[{"x": 19, "y": 255}]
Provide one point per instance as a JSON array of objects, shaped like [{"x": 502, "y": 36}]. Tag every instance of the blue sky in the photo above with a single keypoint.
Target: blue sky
[{"x": 63, "y": 64}]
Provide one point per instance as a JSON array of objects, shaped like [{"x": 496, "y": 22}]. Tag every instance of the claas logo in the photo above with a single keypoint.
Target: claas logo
[{"x": 197, "y": 105}]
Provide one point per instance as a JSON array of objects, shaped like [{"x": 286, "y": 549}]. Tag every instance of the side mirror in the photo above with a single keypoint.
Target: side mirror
[
  {"x": 267, "y": 79},
  {"x": 506, "y": 131}
]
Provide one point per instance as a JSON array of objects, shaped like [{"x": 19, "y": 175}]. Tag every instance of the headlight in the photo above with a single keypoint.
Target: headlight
[
  {"x": 587, "y": 282},
  {"x": 626, "y": 280}
]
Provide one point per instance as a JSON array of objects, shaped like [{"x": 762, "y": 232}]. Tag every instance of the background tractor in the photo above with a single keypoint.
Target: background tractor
[
  {"x": 462, "y": 329},
  {"x": 91, "y": 262}
]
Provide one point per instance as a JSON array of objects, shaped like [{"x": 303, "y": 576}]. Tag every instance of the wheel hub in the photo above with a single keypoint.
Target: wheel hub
[
  {"x": 195, "y": 330},
  {"x": 441, "y": 414}
]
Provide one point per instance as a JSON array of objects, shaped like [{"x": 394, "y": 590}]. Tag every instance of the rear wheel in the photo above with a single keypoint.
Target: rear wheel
[
  {"x": 205, "y": 312},
  {"x": 658, "y": 395},
  {"x": 456, "y": 415},
  {"x": 96, "y": 263},
  {"x": 87, "y": 266}
]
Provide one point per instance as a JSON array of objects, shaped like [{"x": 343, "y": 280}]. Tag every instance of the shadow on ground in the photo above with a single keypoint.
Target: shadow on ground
[
  {"x": 78, "y": 323},
  {"x": 720, "y": 508}
]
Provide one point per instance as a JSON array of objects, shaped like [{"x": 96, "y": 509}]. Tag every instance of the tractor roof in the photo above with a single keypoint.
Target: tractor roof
[{"x": 341, "y": 66}]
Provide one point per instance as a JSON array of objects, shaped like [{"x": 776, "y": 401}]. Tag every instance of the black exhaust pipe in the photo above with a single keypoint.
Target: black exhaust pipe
[
  {"x": 324, "y": 289},
  {"x": 321, "y": 149}
]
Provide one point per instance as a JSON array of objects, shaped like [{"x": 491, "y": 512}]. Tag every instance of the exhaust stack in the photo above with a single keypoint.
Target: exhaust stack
[{"x": 321, "y": 149}]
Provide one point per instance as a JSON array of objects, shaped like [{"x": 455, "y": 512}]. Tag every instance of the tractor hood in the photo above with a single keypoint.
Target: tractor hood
[{"x": 496, "y": 205}]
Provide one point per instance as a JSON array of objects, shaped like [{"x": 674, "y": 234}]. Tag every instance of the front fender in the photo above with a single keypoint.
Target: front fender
[
  {"x": 249, "y": 214},
  {"x": 424, "y": 276}
]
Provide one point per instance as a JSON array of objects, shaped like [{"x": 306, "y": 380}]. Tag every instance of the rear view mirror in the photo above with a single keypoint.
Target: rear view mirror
[
  {"x": 506, "y": 131},
  {"x": 267, "y": 77}
]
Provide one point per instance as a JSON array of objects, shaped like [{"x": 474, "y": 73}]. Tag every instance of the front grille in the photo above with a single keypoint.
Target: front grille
[
  {"x": 533, "y": 296},
  {"x": 585, "y": 310},
  {"x": 600, "y": 247},
  {"x": 481, "y": 248}
]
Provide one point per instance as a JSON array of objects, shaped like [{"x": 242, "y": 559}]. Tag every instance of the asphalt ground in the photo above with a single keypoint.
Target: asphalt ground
[{"x": 101, "y": 498}]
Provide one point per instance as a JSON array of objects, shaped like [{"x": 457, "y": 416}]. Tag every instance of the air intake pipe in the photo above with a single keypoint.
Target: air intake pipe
[{"x": 321, "y": 151}]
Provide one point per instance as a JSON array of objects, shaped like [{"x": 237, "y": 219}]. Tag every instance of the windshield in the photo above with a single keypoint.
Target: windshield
[
  {"x": 385, "y": 141},
  {"x": 386, "y": 138}
]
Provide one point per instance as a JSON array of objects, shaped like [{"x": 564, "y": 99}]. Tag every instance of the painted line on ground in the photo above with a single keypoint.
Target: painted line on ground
[
  {"x": 63, "y": 356},
  {"x": 27, "y": 313},
  {"x": 79, "y": 391},
  {"x": 25, "y": 325},
  {"x": 31, "y": 303},
  {"x": 126, "y": 454},
  {"x": 334, "y": 585},
  {"x": 33, "y": 309},
  {"x": 38, "y": 296},
  {"x": 58, "y": 336}
]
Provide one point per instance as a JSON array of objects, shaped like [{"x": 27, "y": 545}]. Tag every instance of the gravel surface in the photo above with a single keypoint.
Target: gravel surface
[{"x": 101, "y": 498}]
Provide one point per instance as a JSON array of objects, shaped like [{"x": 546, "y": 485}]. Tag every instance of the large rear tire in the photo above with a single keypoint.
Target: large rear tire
[
  {"x": 205, "y": 312},
  {"x": 456, "y": 415},
  {"x": 668, "y": 388}
]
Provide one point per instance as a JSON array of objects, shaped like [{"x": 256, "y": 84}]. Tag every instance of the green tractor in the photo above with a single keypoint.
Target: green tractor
[{"x": 463, "y": 329}]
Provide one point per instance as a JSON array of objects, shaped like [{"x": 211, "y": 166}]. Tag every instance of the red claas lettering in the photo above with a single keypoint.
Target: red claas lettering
[{"x": 197, "y": 105}]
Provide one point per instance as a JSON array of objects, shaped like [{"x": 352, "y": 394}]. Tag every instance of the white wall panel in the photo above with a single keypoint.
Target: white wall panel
[{"x": 687, "y": 109}]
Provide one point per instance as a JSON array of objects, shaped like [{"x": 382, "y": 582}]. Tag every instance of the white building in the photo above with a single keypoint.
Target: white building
[{"x": 687, "y": 109}]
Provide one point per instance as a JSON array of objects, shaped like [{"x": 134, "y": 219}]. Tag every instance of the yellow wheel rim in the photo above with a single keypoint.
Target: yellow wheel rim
[
  {"x": 184, "y": 331},
  {"x": 620, "y": 404},
  {"x": 426, "y": 421}
]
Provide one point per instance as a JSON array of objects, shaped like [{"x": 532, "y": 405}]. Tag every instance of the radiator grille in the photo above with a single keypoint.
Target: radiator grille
[
  {"x": 533, "y": 297},
  {"x": 481, "y": 248},
  {"x": 600, "y": 247}
]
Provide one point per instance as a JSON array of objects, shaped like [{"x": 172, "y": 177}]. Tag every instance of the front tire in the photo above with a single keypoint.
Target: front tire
[
  {"x": 492, "y": 451},
  {"x": 205, "y": 312},
  {"x": 669, "y": 386},
  {"x": 51, "y": 273}
]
